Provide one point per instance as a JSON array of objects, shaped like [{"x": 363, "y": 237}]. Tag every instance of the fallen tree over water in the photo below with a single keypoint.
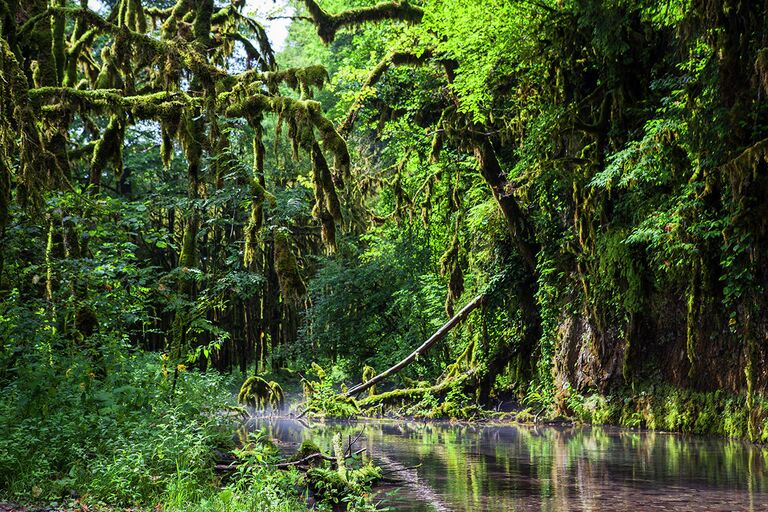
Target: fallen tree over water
[{"x": 423, "y": 348}]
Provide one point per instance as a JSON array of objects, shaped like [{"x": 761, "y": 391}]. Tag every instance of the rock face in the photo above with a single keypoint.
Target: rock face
[
  {"x": 653, "y": 345},
  {"x": 586, "y": 357}
]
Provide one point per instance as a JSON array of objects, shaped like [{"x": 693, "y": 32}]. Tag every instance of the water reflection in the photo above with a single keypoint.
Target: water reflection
[{"x": 549, "y": 469}]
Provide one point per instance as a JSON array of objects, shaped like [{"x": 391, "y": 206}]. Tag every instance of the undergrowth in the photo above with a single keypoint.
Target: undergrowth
[{"x": 123, "y": 435}]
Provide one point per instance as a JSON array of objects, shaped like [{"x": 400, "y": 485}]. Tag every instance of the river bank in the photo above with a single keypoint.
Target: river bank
[{"x": 647, "y": 405}]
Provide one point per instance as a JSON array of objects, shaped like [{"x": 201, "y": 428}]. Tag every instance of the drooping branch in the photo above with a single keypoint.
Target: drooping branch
[
  {"x": 329, "y": 24},
  {"x": 303, "y": 118}
]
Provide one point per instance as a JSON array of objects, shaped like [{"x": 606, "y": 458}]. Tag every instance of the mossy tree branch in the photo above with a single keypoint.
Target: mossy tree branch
[{"x": 329, "y": 24}]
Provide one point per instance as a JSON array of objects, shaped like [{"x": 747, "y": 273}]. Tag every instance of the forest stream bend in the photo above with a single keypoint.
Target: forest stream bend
[{"x": 441, "y": 466}]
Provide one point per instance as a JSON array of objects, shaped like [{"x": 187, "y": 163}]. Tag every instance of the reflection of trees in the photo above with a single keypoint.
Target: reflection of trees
[{"x": 552, "y": 469}]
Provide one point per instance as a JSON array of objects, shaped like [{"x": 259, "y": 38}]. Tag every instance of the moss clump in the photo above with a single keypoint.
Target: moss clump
[
  {"x": 307, "y": 448},
  {"x": 368, "y": 373},
  {"x": 260, "y": 394}
]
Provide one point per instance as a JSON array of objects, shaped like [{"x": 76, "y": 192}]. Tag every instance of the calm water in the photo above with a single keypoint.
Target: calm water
[{"x": 574, "y": 469}]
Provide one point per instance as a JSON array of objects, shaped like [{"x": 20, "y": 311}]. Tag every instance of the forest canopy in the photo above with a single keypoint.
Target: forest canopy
[{"x": 590, "y": 175}]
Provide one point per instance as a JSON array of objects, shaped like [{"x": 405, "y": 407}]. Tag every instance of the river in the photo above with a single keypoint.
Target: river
[{"x": 547, "y": 469}]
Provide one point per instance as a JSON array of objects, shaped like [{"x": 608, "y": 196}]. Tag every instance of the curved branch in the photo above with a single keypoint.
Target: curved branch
[{"x": 328, "y": 24}]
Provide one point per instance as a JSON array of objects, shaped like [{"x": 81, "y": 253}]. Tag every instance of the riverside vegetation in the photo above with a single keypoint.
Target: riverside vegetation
[{"x": 185, "y": 212}]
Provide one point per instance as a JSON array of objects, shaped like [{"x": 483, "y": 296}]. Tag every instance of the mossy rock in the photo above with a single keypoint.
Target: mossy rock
[{"x": 307, "y": 448}]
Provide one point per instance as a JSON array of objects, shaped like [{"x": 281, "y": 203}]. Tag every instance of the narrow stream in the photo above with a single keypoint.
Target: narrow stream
[{"x": 552, "y": 469}]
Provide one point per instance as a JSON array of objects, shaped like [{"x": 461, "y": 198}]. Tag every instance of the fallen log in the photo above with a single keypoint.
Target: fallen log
[
  {"x": 232, "y": 466},
  {"x": 439, "y": 334},
  {"x": 412, "y": 394}
]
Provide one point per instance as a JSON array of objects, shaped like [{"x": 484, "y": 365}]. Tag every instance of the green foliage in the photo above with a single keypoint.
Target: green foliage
[
  {"x": 321, "y": 397},
  {"x": 592, "y": 164},
  {"x": 255, "y": 486},
  {"x": 123, "y": 438},
  {"x": 385, "y": 299}
]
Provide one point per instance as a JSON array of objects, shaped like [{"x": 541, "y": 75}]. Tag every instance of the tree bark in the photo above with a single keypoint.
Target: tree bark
[{"x": 516, "y": 221}]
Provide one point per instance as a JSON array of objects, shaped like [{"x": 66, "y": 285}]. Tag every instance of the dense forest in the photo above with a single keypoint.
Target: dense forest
[{"x": 187, "y": 207}]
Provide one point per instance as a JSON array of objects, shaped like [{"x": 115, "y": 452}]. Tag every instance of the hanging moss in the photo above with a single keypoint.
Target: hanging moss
[
  {"x": 332, "y": 142},
  {"x": 260, "y": 394},
  {"x": 451, "y": 267},
  {"x": 130, "y": 14},
  {"x": 78, "y": 44},
  {"x": 188, "y": 254},
  {"x": 258, "y": 195},
  {"x": 287, "y": 268},
  {"x": 437, "y": 146},
  {"x": 426, "y": 201},
  {"x": 109, "y": 150},
  {"x": 302, "y": 117},
  {"x": 109, "y": 76},
  {"x": 276, "y": 398},
  {"x": 307, "y": 388},
  {"x": 36, "y": 163},
  {"x": 58, "y": 25},
  {"x": 325, "y": 192},
  {"x": 368, "y": 373},
  {"x": 396, "y": 58},
  {"x": 301, "y": 80}
]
